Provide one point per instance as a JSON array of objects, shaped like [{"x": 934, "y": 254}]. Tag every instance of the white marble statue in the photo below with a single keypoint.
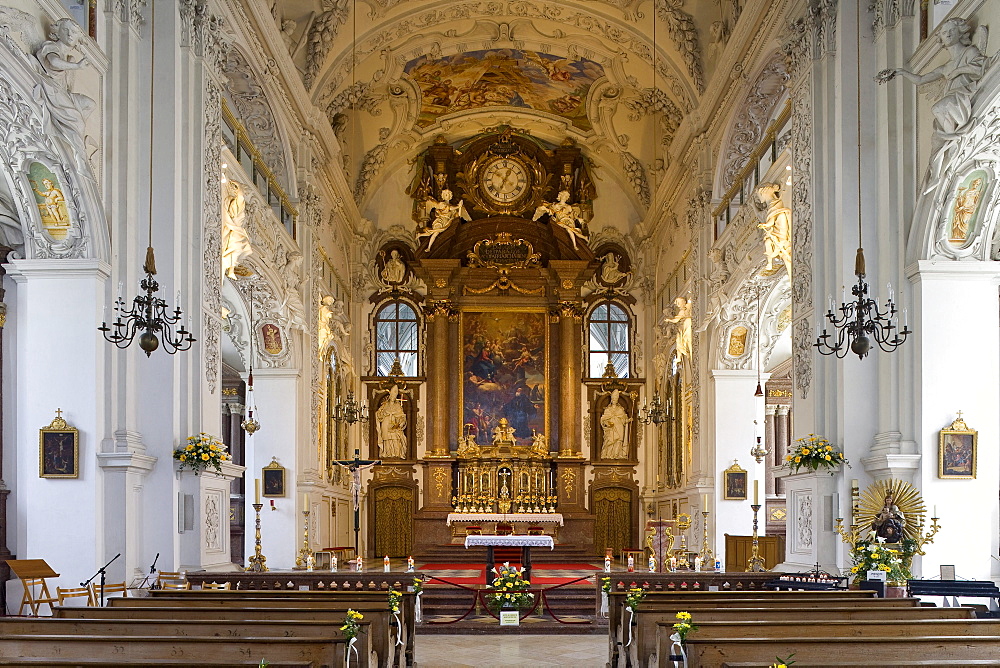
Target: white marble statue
[
  {"x": 565, "y": 215},
  {"x": 235, "y": 240},
  {"x": 610, "y": 273},
  {"x": 962, "y": 74},
  {"x": 291, "y": 301},
  {"x": 58, "y": 56},
  {"x": 682, "y": 325},
  {"x": 332, "y": 322},
  {"x": 390, "y": 423},
  {"x": 445, "y": 214},
  {"x": 614, "y": 425},
  {"x": 776, "y": 224}
]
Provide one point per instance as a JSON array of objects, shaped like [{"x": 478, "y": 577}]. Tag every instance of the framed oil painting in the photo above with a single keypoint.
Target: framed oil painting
[
  {"x": 735, "y": 483},
  {"x": 273, "y": 477},
  {"x": 957, "y": 450},
  {"x": 58, "y": 450},
  {"x": 504, "y": 364}
]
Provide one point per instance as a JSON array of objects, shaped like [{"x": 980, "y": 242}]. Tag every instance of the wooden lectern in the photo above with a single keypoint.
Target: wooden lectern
[{"x": 32, "y": 573}]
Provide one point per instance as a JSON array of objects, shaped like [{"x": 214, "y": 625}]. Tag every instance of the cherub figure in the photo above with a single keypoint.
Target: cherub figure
[
  {"x": 445, "y": 214},
  {"x": 565, "y": 215}
]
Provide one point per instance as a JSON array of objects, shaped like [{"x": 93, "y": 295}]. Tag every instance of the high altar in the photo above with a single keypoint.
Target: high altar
[{"x": 501, "y": 378}]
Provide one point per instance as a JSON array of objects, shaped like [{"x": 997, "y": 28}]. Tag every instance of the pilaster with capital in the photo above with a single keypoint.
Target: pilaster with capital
[
  {"x": 440, "y": 313},
  {"x": 570, "y": 314}
]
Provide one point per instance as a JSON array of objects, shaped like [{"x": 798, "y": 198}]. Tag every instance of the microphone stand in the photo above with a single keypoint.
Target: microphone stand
[{"x": 102, "y": 571}]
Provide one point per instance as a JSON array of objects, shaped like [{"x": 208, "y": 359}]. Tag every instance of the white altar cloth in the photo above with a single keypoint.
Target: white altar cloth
[
  {"x": 535, "y": 518},
  {"x": 510, "y": 541}
]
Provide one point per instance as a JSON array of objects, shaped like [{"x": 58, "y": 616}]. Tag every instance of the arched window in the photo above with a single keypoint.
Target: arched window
[
  {"x": 396, "y": 336},
  {"x": 608, "y": 338}
]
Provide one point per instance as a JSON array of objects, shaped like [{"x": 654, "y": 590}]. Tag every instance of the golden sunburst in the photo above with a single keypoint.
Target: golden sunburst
[{"x": 905, "y": 496}]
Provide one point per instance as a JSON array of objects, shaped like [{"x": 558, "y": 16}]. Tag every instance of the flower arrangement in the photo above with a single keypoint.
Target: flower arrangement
[
  {"x": 201, "y": 452},
  {"x": 874, "y": 554},
  {"x": 418, "y": 585},
  {"x": 683, "y": 625},
  {"x": 394, "y": 598},
  {"x": 351, "y": 628},
  {"x": 814, "y": 452},
  {"x": 634, "y": 596},
  {"x": 606, "y": 585},
  {"x": 509, "y": 588}
]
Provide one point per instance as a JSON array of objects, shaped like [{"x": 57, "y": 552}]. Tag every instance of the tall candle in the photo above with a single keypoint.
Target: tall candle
[
  {"x": 755, "y": 501},
  {"x": 256, "y": 490},
  {"x": 705, "y": 502},
  {"x": 305, "y": 501}
]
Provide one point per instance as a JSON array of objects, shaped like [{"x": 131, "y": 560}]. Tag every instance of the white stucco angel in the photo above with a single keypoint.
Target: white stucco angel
[
  {"x": 445, "y": 214},
  {"x": 682, "y": 323},
  {"x": 332, "y": 322},
  {"x": 962, "y": 74},
  {"x": 235, "y": 240},
  {"x": 565, "y": 215},
  {"x": 776, "y": 224},
  {"x": 291, "y": 301},
  {"x": 58, "y": 56}
]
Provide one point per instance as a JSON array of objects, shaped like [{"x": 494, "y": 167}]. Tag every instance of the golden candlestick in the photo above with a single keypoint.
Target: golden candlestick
[
  {"x": 302, "y": 560},
  {"x": 706, "y": 554},
  {"x": 258, "y": 562},
  {"x": 755, "y": 564}
]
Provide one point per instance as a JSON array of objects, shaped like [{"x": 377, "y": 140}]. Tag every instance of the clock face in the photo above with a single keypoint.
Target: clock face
[{"x": 503, "y": 180}]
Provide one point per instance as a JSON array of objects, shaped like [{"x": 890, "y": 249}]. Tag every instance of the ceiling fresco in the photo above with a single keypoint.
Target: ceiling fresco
[{"x": 504, "y": 77}]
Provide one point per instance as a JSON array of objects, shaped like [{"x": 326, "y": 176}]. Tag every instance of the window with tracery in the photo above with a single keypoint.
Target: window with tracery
[
  {"x": 609, "y": 339},
  {"x": 396, "y": 336}
]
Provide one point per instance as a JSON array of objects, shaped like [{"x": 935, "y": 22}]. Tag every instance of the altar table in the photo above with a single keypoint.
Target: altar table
[{"x": 524, "y": 542}]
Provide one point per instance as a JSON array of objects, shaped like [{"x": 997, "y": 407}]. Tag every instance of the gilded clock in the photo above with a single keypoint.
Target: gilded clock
[{"x": 504, "y": 180}]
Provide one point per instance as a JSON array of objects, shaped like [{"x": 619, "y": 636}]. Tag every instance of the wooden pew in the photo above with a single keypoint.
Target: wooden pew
[
  {"x": 799, "y": 628},
  {"x": 328, "y": 652},
  {"x": 323, "y": 628},
  {"x": 373, "y": 604},
  {"x": 853, "y": 651}
]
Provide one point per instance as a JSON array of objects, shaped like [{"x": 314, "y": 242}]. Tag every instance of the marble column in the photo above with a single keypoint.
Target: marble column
[
  {"x": 439, "y": 313},
  {"x": 781, "y": 442},
  {"x": 769, "y": 444},
  {"x": 570, "y": 333}
]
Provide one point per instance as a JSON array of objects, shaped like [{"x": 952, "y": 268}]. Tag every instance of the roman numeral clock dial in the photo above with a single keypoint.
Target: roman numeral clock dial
[{"x": 503, "y": 181}]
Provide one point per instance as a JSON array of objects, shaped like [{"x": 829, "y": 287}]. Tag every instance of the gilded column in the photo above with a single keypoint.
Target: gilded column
[
  {"x": 782, "y": 439},
  {"x": 769, "y": 444},
  {"x": 570, "y": 316},
  {"x": 439, "y": 313}
]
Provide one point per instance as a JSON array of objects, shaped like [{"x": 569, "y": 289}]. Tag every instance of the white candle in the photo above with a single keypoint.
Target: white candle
[
  {"x": 935, "y": 511},
  {"x": 889, "y": 287},
  {"x": 256, "y": 490},
  {"x": 305, "y": 501},
  {"x": 705, "y": 501},
  {"x": 906, "y": 321},
  {"x": 121, "y": 288}
]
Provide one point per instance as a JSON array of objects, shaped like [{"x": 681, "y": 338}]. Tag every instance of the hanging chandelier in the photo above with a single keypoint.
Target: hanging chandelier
[
  {"x": 350, "y": 411},
  {"x": 861, "y": 322},
  {"x": 758, "y": 452},
  {"x": 657, "y": 413},
  {"x": 250, "y": 425},
  {"x": 149, "y": 317}
]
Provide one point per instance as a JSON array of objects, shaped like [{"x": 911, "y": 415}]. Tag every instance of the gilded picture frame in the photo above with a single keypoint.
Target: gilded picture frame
[
  {"x": 58, "y": 450},
  {"x": 273, "y": 480},
  {"x": 957, "y": 450},
  {"x": 734, "y": 486}
]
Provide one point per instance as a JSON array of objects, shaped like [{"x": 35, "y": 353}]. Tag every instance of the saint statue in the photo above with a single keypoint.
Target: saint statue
[
  {"x": 961, "y": 74},
  {"x": 394, "y": 269},
  {"x": 58, "y": 56},
  {"x": 965, "y": 207},
  {"x": 565, "y": 215},
  {"x": 538, "y": 443},
  {"x": 390, "y": 422},
  {"x": 890, "y": 522},
  {"x": 610, "y": 273},
  {"x": 235, "y": 240},
  {"x": 445, "y": 214},
  {"x": 682, "y": 323},
  {"x": 777, "y": 226},
  {"x": 614, "y": 424}
]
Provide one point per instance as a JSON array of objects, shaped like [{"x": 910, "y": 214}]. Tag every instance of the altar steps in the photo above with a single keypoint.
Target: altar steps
[{"x": 450, "y": 553}]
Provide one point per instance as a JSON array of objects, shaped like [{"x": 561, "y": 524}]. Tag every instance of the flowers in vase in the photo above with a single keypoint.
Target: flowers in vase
[
  {"x": 509, "y": 589},
  {"x": 394, "y": 598},
  {"x": 634, "y": 596},
  {"x": 351, "y": 627},
  {"x": 683, "y": 625},
  {"x": 874, "y": 554},
  {"x": 814, "y": 452},
  {"x": 201, "y": 452}
]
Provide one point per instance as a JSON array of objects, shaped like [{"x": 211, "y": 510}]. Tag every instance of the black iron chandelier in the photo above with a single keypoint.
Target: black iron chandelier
[
  {"x": 657, "y": 413},
  {"x": 861, "y": 322},
  {"x": 350, "y": 411},
  {"x": 149, "y": 317}
]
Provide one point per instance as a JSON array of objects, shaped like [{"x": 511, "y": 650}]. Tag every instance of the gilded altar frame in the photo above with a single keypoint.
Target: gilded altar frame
[{"x": 464, "y": 318}]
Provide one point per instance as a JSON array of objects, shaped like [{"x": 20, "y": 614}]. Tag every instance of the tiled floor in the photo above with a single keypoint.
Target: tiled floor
[{"x": 529, "y": 651}]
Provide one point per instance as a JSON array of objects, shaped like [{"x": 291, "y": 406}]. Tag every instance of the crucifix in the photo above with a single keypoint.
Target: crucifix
[{"x": 356, "y": 466}]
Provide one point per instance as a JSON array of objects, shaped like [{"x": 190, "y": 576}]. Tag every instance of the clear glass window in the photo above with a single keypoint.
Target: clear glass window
[
  {"x": 608, "y": 338},
  {"x": 396, "y": 335}
]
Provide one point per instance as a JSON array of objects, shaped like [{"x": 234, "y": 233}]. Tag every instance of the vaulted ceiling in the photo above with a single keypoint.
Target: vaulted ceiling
[{"x": 393, "y": 75}]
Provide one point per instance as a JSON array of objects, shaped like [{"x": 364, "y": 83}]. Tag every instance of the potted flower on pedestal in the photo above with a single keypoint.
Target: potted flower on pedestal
[
  {"x": 202, "y": 452},
  {"x": 510, "y": 594},
  {"x": 875, "y": 554},
  {"x": 814, "y": 453}
]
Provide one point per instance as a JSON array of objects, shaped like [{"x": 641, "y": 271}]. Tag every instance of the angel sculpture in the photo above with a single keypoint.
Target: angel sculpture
[
  {"x": 445, "y": 214},
  {"x": 565, "y": 215},
  {"x": 776, "y": 225},
  {"x": 962, "y": 74}
]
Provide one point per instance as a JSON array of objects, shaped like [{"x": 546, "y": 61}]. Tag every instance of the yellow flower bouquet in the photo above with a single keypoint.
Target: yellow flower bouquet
[
  {"x": 814, "y": 452},
  {"x": 201, "y": 452},
  {"x": 509, "y": 589}
]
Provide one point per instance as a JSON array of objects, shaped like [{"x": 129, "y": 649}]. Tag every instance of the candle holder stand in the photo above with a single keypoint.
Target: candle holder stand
[
  {"x": 706, "y": 554},
  {"x": 755, "y": 564},
  {"x": 302, "y": 560},
  {"x": 258, "y": 562}
]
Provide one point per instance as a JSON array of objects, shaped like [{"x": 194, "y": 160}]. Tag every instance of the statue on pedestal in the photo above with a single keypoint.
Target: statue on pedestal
[{"x": 503, "y": 433}]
